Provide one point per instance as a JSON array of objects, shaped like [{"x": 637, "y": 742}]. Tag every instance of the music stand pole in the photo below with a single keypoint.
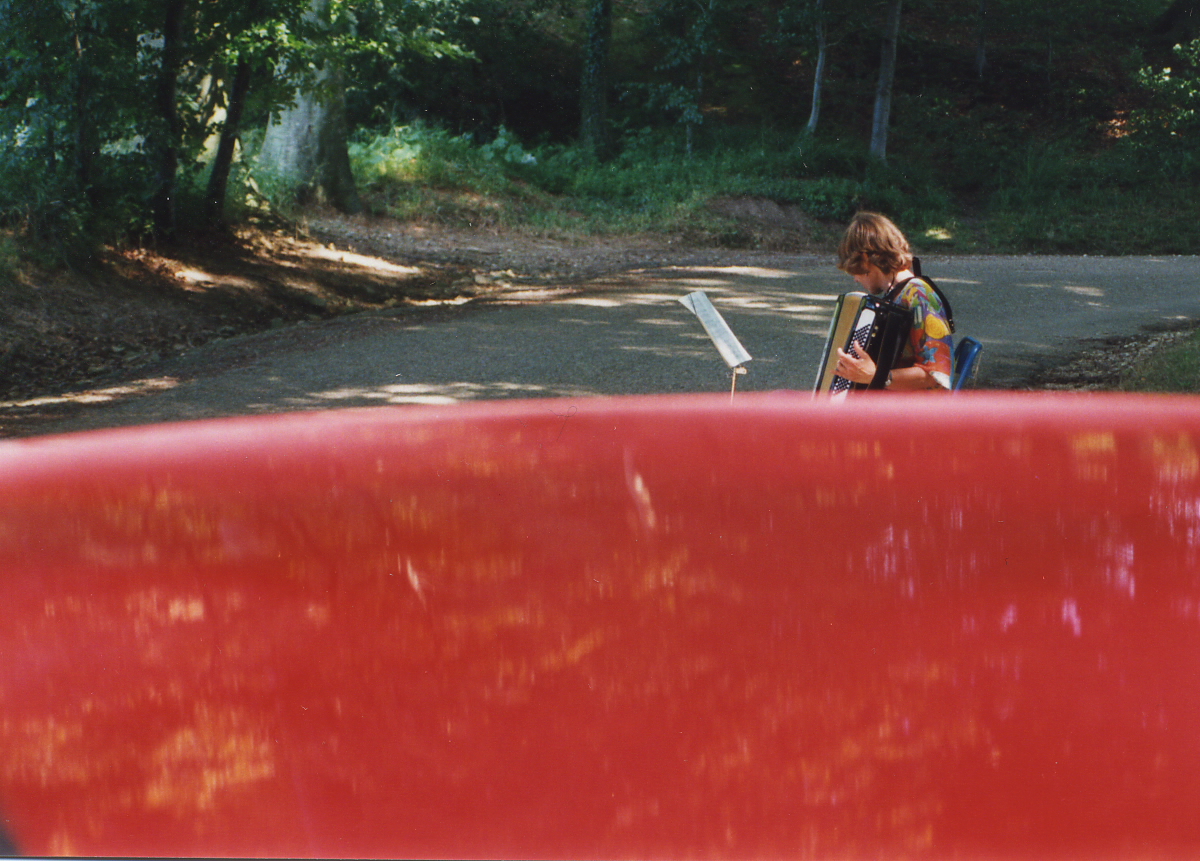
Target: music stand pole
[
  {"x": 722, "y": 336},
  {"x": 737, "y": 372}
]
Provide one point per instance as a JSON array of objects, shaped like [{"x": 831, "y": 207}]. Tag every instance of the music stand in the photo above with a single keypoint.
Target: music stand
[{"x": 722, "y": 336}]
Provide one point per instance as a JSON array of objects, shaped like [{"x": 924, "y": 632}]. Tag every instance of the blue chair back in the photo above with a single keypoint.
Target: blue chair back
[{"x": 966, "y": 362}]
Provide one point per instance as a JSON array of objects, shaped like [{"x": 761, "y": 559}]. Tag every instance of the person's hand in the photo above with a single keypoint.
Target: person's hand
[{"x": 855, "y": 368}]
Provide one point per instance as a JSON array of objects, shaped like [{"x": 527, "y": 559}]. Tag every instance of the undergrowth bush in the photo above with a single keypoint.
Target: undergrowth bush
[
  {"x": 651, "y": 183},
  {"x": 56, "y": 220},
  {"x": 1060, "y": 197},
  {"x": 420, "y": 153},
  {"x": 1123, "y": 200},
  {"x": 36, "y": 206},
  {"x": 422, "y": 172}
]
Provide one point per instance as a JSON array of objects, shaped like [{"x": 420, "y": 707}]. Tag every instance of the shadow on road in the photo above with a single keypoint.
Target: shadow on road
[{"x": 621, "y": 334}]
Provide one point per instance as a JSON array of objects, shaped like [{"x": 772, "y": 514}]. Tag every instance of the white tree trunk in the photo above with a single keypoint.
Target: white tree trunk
[
  {"x": 306, "y": 148},
  {"x": 981, "y": 41},
  {"x": 593, "y": 90},
  {"x": 887, "y": 78},
  {"x": 819, "y": 73}
]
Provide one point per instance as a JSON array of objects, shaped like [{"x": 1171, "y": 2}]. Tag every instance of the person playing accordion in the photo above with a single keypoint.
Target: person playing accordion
[{"x": 875, "y": 254}]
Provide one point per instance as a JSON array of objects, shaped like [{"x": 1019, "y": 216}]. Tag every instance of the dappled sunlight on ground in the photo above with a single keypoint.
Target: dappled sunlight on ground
[
  {"x": 732, "y": 289},
  {"x": 423, "y": 393},
  {"x": 524, "y": 295},
  {"x": 703, "y": 350},
  {"x": 197, "y": 279},
  {"x": 595, "y": 302},
  {"x": 738, "y": 271},
  {"x": 97, "y": 396},
  {"x": 239, "y": 272},
  {"x": 659, "y": 321},
  {"x": 621, "y": 333},
  {"x": 965, "y": 282},
  {"x": 23, "y": 417},
  {"x": 430, "y": 303},
  {"x": 1095, "y": 292},
  {"x": 375, "y": 264}
]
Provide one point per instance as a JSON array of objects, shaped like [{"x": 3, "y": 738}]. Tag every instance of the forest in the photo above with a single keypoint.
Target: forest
[{"x": 981, "y": 125}]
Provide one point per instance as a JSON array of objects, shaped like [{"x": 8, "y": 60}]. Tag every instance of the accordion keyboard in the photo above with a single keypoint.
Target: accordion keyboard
[{"x": 862, "y": 332}]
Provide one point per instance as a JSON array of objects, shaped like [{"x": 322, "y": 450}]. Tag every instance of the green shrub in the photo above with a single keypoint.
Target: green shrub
[{"x": 1067, "y": 196}]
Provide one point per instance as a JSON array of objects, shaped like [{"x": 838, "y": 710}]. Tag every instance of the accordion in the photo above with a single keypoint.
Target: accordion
[{"x": 873, "y": 324}]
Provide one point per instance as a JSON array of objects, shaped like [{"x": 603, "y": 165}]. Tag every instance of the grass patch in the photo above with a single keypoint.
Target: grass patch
[
  {"x": 1056, "y": 199},
  {"x": 1099, "y": 221},
  {"x": 1172, "y": 369}
]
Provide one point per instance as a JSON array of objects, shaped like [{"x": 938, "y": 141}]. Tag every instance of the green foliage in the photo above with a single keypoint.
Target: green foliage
[
  {"x": 85, "y": 129},
  {"x": 63, "y": 104},
  {"x": 1173, "y": 111},
  {"x": 11, "y": 258},
  {"x": 508, "y": 149},
  {"x": 435, "y": 157},
  {"x": 1017, "y": 157},
  {"x": 1123, "y": 200},
  {"x": 520, "y": 68},
  {"x": 418, "y": 172},
  {"x": 651, "y": 184},
  {"x": 1071, "y": 142}
]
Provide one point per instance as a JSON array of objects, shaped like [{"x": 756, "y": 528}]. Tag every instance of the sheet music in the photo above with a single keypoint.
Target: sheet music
[{"x": 718, "y": 330}]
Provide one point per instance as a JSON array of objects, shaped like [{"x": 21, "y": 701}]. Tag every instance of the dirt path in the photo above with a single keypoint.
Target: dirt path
[{"x": 605, "y": 320}]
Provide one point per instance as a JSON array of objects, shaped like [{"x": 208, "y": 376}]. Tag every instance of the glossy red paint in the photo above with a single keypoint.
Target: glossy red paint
[{"x": 646, "y": 628}]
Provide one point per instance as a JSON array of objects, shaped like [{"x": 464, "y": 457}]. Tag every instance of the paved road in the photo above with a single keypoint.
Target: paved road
[{"x": 628, "y": 334}]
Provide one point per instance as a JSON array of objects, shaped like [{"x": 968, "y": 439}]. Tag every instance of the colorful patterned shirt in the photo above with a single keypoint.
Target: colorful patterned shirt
[{"x": 930, "y": 346}]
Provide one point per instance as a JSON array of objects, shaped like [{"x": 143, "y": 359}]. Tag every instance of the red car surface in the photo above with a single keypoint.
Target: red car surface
[{"x": 629, "y": 628}]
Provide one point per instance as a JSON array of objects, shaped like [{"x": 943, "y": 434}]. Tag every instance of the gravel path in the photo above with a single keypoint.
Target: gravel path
[{"x": 628, "y": 334}]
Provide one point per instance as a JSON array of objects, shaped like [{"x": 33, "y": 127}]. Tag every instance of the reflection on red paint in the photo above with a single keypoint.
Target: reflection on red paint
[{"x": 642, "y": 628}]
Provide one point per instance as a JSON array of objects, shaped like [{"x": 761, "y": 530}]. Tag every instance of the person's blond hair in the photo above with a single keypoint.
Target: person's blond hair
[{"x": 873, "y": 240}]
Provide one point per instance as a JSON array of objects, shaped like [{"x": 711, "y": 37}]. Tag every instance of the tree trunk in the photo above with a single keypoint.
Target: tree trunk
[
  {"x": 699, "y": 35},
  {"x": 819, "y": 73},
  {"x": 306, "y": 146},
  {"x": 166, "y": 145},
  {"x": 981, "y": 41},
  {"x": 593, "y": 91},
  {"x": 1179, "y": 23},
  {"x": 218, "y": 179},
  {"x": 86, "y": 138},
  {"x": 692, "y": 124},
  {"x": 887, "y": 79}
]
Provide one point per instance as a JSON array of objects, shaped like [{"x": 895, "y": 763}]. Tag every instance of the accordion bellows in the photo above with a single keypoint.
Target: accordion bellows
[{"x": 868, "y": 322}]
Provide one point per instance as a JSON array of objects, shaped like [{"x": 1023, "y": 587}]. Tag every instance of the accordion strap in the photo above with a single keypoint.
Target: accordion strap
[{"x": 916, "y": 268}]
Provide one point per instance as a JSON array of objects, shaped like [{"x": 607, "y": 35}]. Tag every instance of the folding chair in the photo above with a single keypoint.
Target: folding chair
[{"x": 966, "y": 363}]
